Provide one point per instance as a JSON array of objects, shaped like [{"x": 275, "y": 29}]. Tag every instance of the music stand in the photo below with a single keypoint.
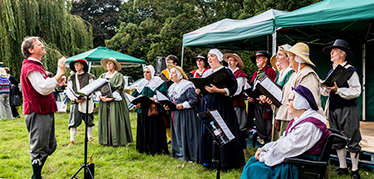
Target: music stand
[
  {"x": 86, "y": 92},
  {"x": 220, "y": 132}
]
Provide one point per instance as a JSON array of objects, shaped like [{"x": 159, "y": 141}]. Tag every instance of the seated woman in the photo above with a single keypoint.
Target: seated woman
[
  {"x": 305, "y": 135},
  {"x": 184, "y": 120}
]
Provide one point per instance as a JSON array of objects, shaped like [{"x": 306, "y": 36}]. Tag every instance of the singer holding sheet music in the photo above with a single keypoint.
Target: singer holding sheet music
[
  {"x": 114, "y": 127},
  {"x": 303, "y": 75},
  {"x": 77, "y": 81},
  {"x": 184, "y": 121},
  {"x": 285, "y": 72},
  {"x": 150, "y": 136},
  {"x": 231, "y": 154},
  {"x": 342, "y": 106},
  {"x": 256, "y": 108}
]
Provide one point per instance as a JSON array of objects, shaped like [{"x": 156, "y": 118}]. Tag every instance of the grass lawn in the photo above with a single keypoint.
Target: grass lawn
[{"x": 118, "y": 162}]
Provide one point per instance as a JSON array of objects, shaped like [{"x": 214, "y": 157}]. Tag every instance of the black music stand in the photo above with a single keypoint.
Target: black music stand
[
  {"x": 87, "y": 171},
  {"x": 86, "y": 92},
  {"x": 220, "y": 132}
]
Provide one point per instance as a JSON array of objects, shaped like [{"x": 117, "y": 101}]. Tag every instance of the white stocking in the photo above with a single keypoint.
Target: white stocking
[
  {"x": 89, "y": 132},
  {"x": 73, "y": 131},
  {"x": 342, "y": 155},
  {"x": 354, "y": 160}
]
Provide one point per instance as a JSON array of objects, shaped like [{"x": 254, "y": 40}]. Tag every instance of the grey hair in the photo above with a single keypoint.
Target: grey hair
[{"x": 345, "y": 53}]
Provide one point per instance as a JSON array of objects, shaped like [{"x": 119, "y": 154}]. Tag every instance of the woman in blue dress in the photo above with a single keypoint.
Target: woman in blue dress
[{"x": 184, "y": 120}]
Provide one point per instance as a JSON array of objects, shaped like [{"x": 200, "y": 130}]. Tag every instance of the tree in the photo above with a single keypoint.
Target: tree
[
  {"x": 155, "y": 28},
  {"x": 63, "y": 33},
  {"x": 103, "y": 16}
]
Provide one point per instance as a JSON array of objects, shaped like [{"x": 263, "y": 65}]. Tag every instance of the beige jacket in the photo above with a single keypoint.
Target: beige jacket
[{"x": 308, "y": 78}]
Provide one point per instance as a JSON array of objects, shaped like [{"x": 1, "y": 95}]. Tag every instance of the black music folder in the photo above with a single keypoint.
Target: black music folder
[
  {"x": 220, "y": 79},
  {"x": 163, "y": 100},
  {"x": 100, "y": 84},
  {"x": 143, "y": 100},
  {"x": 268, "y": 88},
  {"x": 339, "y": 75}
]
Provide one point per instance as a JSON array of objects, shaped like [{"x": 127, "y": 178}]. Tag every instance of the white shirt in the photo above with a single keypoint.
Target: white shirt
[
  {"x": 241, "y": 82},
  {"x": 301, "y": 139},
  {"x": 39, "y": 83},
  {"x": 353, "y": 91},
  {"x": 70, "y": 85}
]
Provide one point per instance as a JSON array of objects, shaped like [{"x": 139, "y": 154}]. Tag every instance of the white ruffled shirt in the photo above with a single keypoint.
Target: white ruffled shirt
[
  {"x": 301, "y": 139},
  {"x": 43, "y": 86}
]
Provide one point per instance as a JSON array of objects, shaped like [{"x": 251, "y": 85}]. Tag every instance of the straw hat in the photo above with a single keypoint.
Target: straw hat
[
  {"x": 302, "y": 50},
  {"x": 236, "y": 57},
  {"x": 170, "y": 66},
  {"x": 82, "y": 61},
  {"x": 105, "y": 60},
  {"x": 273, "y": 61}
]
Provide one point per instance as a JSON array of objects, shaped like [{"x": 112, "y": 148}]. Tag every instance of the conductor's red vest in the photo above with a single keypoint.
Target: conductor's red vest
[{"x": 32, "y": 100}]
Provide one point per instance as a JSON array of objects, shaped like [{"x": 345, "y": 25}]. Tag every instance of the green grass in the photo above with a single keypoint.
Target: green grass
[{"x": 110, "y": 162}]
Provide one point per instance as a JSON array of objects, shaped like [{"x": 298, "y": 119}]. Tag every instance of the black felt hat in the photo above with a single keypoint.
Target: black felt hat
[
  {"x": 261, "y": 53},
  {"x": 341, "y": 44}
]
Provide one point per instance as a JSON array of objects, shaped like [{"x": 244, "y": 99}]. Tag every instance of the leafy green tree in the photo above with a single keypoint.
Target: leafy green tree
[
  {"x": 63, "y": 33},
  {"x": 155, "y": 28},
  {"x": 102, "y": 15}
]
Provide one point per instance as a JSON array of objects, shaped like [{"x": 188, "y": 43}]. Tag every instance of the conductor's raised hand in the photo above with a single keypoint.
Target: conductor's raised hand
[
  {"x": 62, "y": 81},
  {"x": 61, "y": 64}
]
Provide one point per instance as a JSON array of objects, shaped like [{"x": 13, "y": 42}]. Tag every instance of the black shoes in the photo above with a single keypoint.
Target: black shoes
[
  {"x": 355, "y": 175},
  {"x": 342, "y": 171}
]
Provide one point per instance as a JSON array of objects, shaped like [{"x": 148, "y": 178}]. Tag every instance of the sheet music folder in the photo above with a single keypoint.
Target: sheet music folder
[
  {"x": 339, "y": 75},
  {"x": 99, "y": 84},
  {"x": 268, "y": 88},
  {"x": 163, "y": 100},
  {"x": 143, "y": 100},
  {"x": 216, "y": 126},
  {"x": 220, "y": 79}
]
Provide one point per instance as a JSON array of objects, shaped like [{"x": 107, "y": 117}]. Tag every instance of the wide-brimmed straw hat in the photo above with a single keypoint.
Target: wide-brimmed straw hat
[
  {"x": 170, "y": 66},
  {"x": 105, "y": 60},
  {"x": 341, "y": 44},
  {"x": 273, "y": 62},
  {"x": 236, "y": 57},
  {"x": 82, "y": 61},
  {"x": 261, "y": 53},
  {"x": 302, "y": 50}
]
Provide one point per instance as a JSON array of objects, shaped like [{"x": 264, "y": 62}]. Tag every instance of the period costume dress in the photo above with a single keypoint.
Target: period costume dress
[
  {"x": 304, "y": 137},
  {"x": 231, "y": 154},
  {"x": 150, "y": 136},
  {"x": 282, "y": 78},
  {"x": 184, "y": 122},
  {"x": 114, "y": 127},
  {"x": 262, "y": 112}
]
